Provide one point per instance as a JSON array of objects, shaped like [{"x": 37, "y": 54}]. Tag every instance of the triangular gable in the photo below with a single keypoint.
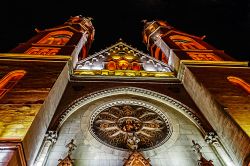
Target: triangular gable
[
  {"x": 121, "y": 59},
  {"x": 137, "y": 159}
]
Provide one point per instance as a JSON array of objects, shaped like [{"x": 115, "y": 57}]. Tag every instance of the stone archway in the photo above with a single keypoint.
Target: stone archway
[
  {"x": 185, "y": 110},
  {"x": 176, "y": 149}
]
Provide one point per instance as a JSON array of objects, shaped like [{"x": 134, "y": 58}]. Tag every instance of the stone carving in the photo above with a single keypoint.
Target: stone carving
[
  {"x": 68, "y": 161},
  {"x": 122, "y": 57},
  {"x": 136, "y": 159},
  {"x": 51, "y": 136},
  {"x": 202, "y": 161},
  {"x": 71, "y": 146},
  {"x": 132, "y": 141},
  {"x": 211, "y": 138},
  {"x": 133, "y": 91},
  {"x": 130, "y": 124}
]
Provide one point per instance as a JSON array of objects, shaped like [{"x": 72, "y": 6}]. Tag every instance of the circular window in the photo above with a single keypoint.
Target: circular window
[{"x": 130, "y": 125}]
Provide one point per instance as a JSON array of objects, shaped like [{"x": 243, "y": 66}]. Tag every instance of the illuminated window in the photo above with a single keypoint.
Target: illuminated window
[
  {"x": 204, "y": 56},
  {"x": 42, "y": 51},
  {"x": 10, "y": 80},
  {"x": 56, "y": 38},
  {"x": 184, "y": 42},
  {"x": 239, "y": 82}
]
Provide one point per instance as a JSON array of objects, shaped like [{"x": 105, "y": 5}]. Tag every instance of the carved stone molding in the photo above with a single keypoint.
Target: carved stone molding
[
  {"x": 211, "y": 138},
  {"x": 188, "y": 112},
  {"x": 51, "y": 136}
]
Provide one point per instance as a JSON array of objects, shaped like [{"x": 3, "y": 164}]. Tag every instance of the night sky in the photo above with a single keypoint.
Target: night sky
[{"x": 226, "y": 23}]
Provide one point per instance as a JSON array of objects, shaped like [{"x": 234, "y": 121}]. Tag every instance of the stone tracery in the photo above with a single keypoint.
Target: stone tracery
[{"x": 128, "y": 125}]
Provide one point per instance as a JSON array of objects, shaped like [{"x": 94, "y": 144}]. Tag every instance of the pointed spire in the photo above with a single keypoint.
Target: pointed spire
[{"x": 120, "y": 40}]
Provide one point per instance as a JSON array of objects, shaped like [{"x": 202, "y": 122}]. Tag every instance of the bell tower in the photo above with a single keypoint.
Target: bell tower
[
  {"x": 173, "y": 46},
  {"x": 218, "y": 84},
  {"x": 33, "y": 78}
]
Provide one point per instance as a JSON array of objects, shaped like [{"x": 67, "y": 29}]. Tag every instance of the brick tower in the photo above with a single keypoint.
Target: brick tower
[{"x": 217, "y": 83}]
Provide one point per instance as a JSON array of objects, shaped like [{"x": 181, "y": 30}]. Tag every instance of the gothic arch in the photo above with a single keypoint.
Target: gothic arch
[
  {"x": 10, "y": 80},
  {"x": 173, "y": 103},
  {"x": 79, "y": 118}
]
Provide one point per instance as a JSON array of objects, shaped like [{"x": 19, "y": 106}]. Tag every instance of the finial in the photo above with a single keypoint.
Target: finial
[
  {"x": 203, "y": 37},
  {"x": 120, "y": 40},
  {"x": 144, "y": 21},
  {"x": 37, "y": 30}
]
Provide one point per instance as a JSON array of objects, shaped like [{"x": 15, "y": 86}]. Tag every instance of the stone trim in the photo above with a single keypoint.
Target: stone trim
[
  {"x": 51, "y": 136},
  {"x": 185, "y": 110}
]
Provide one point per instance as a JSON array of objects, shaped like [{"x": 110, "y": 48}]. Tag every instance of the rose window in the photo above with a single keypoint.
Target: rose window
[{"x": 130, "y": 126}]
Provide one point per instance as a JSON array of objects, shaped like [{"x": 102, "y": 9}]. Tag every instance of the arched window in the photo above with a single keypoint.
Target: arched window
[
  {"x": 56, "y": 38},
  {"x": 42, "y": 51},
  {"x": 184, "y": 42},
  {"x": 239, "y": 82},
  {"x": 10, "y": 80},
  {"x": 203, "y": 56}
]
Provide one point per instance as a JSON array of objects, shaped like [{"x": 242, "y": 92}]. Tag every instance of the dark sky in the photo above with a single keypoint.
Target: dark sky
[{"x": 226, "y": 23}]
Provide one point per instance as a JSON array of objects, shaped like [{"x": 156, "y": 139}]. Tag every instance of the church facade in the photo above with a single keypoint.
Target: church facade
[{"x": 184, "y": 103}]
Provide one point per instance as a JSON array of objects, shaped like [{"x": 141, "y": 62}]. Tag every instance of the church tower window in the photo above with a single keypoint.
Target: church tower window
[
  {"x": 184, "y": 42},
  {"x": 56, "y": 38}
]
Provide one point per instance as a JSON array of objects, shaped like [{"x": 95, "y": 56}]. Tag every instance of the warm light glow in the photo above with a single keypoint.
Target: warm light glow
[
  {"x": 56, "y": 38},
  {"x": 111, "y": 65},
  {"x": 42, "y": 51},
  {"x": 123, "y": 64},
  {"x": 116, "y": 57},
  {"x": 201, "y": 56},
  {"x": 10, "y": 80},
  {"x": 120, "y": 60},
  {"x": 184, "y": 42},
  {"x": 157, "y": 53},
  {"x": 239, "y": 82},
  {"x": 136, "y": 66},
  {"x": 164, "y": 58},
  {"x": 84, "y": 52},
  {"x": 133, "y": 73},
  {"x": 162, "y": 23}
]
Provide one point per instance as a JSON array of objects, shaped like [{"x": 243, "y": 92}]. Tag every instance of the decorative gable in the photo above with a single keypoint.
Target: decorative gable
[
  {"x": 122, "y": 60},
  {"x": 137, "y": 159}
]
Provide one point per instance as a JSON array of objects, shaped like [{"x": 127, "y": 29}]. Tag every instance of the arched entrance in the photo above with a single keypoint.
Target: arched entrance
[{"x": 88, "y": 122}]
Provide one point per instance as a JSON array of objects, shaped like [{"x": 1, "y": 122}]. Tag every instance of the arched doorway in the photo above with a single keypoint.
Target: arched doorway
[{"x": 171, "y": 147}]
